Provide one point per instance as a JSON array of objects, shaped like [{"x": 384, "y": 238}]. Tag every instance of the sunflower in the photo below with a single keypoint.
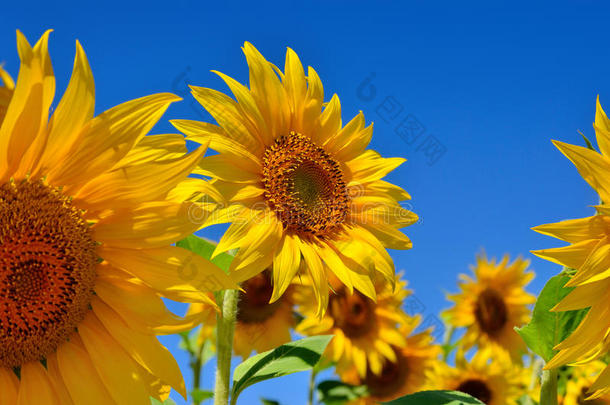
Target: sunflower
[
  {"x": 579, "y": 383},
  {"x": 260, "y": 325},
  {"x": 491, "y": 382},
  {"x": 587, "y": 252},
  {"x": 491, "y": 304},
  {"x": 365, "y": 331},
  {"x": 89, "y": 208},
  {"x": 405, "y": 375},
  {"x": 299, "y": 186}
]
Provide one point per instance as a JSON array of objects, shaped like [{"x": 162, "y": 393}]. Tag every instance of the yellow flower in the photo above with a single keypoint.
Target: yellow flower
[
  {"x": 86, "y": 227},
  {"x": 299, "y": 185},
  {"x": 405, "y": 375},
  {"x": 260, "y": 325},
  {"x": 579, "y": 383},
  {"x": 587, "y": 253},
  {"x": 491, "y": 304},
  {"x": 493, "y": 383},
  {"x": 364, "y": 330}
]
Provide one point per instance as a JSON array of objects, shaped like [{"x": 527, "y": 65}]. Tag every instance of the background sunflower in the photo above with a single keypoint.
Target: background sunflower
[{"x": 491, "y": 304}]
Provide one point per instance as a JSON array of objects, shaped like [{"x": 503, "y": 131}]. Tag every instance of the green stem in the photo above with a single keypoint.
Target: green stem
[
  {"x": 197, "y": 366},
  {"x": 224, "y": 346},
  {"x": 312, "y": 386},
  {"x": 548, "y": 390}
]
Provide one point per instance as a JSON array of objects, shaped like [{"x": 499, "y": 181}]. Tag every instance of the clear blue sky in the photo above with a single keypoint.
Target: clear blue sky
[{"x": 493, "y": 82}]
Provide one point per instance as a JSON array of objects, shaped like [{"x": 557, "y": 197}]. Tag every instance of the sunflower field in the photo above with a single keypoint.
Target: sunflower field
[{"x": 254, "y": 247}]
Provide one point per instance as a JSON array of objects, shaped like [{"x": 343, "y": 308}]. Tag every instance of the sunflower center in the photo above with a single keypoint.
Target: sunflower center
[
  {"x": 253, "y": 305},
  {"x": 304, "y": 186},
  {"x": 490, "y": 311},
  {"x": 392, "y": 378},
  {"x": 354, "y": 314},
  {"x": 47, "y": 271},
  {"x": 476, "y": 388}
]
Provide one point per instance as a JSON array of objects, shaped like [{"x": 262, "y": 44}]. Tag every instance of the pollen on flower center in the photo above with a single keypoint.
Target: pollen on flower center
[
  {"x": 353, "y": 314},
  {"x": 476, "y": 388},
  {"x": 253, "y": 304},
  {"x": 47, "y": 270},
  {"x": 490, "y": 311},
  {"x": 304, "y": 186}
]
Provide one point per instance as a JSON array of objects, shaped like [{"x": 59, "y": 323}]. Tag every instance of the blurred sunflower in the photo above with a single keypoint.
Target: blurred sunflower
[
  {"x": 405, "y": 375},
  {"x": 588, "y": 253},
  {"x": 491, "y": 304},
  {"x": 493, "y": 383},
  {"x": 579, "y": 383},
  {"x": 299, "y": 185},
  {"x": 260, "y": 325},
  {"x": 365, "y": 331},
  {"x": 86, "y": 226}
]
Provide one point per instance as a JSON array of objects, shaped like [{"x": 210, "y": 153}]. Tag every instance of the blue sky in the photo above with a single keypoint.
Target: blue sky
[{"x": 489, "y": 84}]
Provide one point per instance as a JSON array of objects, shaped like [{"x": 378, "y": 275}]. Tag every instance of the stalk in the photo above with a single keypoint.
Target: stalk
[
  {"x": 224, "y": 347},
  {"x": 548, "y": 390}
]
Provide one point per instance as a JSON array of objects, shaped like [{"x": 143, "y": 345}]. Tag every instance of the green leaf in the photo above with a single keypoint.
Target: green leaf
[
  {"x": 300, "y": 355},
  {"x": 205, "y": 248},
  {"x": 436, "y": 398},
  {"x": 332, "y": 392},
  {"x": 200, "y": 395},
  {"x": 168, "y": 401},
  {"x": 547, "y": 329}
]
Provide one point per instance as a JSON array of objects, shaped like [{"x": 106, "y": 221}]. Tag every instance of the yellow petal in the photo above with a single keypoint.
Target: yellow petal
[
  {"x": 108, "y": 138},
  {"x": 580, "y": 297},
  {"x": 74, "y": 110},
  {"x": 317, "y": 272},
  {"x": 155, "y": 148},
  {"x": 141, "y": 182},
  {"x": 265, "y": 86},
  {"x": 121, "y": 375},
  {"x": 202, "y": 132},
  {"x": 138, "y": 305},
  {"x": 10, "y": 386},
  {"x": 34, "y": 386},
  {"x": 592, "y": 166},
  {"x": 226, "y": 112},
  {"x": 329, "y": 122},
  {"x": 76, "y": 367},
  {"x": 150, "y": 225},
  {"x": 57, "y": 381},
  {"x": 286, "y": 264},
  {"x": 29, "y": 135},
  {"x": 577, "y": 230},
  {"x": 596, "y": 267},
  {"x": 572, "y": 256},
  {"x": 258, "y": 249},
  {"x": 294, "y": 82},
  {"x": 171, "y": 268},
  {"x": 370, "y": 166},
  {"x": 143, "y": 348},
  {"x": 602, "y": 128},
  {"x": 389, "y": 236},
  {"x": 247, "y": 104}
]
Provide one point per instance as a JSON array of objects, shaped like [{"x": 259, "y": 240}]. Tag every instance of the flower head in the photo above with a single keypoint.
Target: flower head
[{"x": 300, "y": 187}]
